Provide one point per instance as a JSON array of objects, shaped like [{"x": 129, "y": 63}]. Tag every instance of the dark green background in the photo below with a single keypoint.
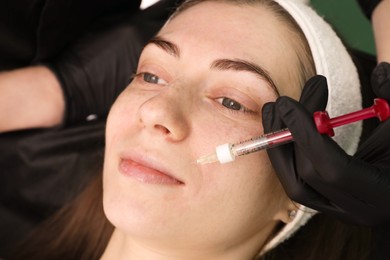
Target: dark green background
[{"x": 349, "y": 21}]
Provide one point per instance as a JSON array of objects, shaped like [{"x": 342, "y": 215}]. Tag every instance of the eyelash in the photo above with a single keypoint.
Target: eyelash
[
  {"x": 240, "y": 109},
  {"x": 151, "y": 78}
]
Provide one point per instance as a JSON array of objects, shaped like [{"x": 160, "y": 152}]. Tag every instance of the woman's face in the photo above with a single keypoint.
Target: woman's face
[{"x": 200, "y": 84}]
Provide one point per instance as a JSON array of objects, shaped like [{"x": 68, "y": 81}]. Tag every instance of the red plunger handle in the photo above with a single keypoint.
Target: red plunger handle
[{"x": 325, "y": 125}]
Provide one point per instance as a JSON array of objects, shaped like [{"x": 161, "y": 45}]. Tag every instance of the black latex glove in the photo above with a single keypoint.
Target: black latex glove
[
  {"x": 317, "y": 173},
  {"x": 95, "y": 69}
]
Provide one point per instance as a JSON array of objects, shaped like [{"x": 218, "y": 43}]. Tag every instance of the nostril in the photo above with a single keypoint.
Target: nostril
[{"x": 162, "y": 129}]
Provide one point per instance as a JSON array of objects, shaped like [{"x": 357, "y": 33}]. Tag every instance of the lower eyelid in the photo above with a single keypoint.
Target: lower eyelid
[
  {"x": 160, "y": 81},
  {"x": 236, "y": 93},
  {"x": 243, "y": 109}
]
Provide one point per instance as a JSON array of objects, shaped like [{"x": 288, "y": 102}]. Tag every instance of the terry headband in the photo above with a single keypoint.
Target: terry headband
[{"x": 331, "y": 60}]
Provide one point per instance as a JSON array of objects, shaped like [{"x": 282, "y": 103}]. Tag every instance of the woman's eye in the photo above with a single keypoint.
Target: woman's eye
[
  {"x": 151, "y": 78},
  {"x": 232, "y": 104}
]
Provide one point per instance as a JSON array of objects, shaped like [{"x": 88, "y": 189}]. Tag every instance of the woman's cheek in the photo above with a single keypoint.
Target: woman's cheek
[{"x": 120, "y": 119}]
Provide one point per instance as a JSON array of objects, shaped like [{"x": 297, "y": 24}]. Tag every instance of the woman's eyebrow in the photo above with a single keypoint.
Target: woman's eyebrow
[
  {"x": 220, "y": 64},
  {"x": 166, "y": 45},
  {"x": 243, "y": 65}
]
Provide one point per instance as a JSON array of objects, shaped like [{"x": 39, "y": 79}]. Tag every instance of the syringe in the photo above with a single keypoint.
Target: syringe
[{"x": 228, "y": 152}]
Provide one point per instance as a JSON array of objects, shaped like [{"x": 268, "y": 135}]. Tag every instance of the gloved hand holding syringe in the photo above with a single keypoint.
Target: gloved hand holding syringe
[{"x": 228, "y": 152}]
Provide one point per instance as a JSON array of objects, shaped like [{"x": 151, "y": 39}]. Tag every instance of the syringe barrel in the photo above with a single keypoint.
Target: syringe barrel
[
  {"x": 262, "y": 142},
  {"x": 249, "y": 146},
  {"x": 279, "y": 137}
]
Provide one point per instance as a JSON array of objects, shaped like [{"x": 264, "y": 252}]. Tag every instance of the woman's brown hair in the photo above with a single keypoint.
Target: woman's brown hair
[{"x": 79, "y": 230}]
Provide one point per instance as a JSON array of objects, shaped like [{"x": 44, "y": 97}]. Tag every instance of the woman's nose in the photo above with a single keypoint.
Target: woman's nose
[{"x": 165, "y": 115}]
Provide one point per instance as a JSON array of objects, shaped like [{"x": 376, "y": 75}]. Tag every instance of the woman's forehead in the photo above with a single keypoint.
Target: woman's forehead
[
  {"x": 220, "y": 14},
  {"x": 226, "y": 30}
]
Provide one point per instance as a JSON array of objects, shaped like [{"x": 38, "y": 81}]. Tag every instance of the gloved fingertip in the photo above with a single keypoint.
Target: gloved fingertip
[
  {"x": 380, "y": 80},
  {"x": 317, "y": 80},
  {"x": 267, "y": 115},
  {"x": 285, "y": 104},
  {"x": 267, "y": 109},
  {"x": 296, "y": 117},
  {"x": 315, "y": 93},
  {"x": 381, "y": 73},
  {"x": 311, "y": 86}
]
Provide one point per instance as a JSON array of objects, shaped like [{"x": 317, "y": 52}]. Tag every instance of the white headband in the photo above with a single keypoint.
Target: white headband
[{"x": 331, "y": 60}]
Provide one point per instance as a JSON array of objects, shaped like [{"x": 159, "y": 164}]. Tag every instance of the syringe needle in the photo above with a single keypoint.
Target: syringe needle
[{"x": 211, "y": 158}]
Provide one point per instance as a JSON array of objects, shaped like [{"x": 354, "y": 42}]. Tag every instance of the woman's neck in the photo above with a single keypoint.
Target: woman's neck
[{"x": 121, "y": 246}]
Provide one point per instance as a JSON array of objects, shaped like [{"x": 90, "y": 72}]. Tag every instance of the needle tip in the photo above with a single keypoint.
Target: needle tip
[{"x": 207, "y": 159}]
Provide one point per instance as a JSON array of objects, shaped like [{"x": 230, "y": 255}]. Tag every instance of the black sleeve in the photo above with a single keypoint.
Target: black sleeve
[
  {"x": 368, "y": 6},
  {"x": 41, "y": 170}
]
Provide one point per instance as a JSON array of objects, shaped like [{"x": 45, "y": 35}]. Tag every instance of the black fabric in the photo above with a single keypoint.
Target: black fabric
[
  {"x": 368, "y": 6},
  {"x": 382, "y": 237},
  {"x": 36, "y": 30},
  {"x": 41, "y": 170}
]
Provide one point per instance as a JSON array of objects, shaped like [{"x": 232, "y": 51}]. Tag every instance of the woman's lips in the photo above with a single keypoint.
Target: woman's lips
[{"x": 145, "y": 173}]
